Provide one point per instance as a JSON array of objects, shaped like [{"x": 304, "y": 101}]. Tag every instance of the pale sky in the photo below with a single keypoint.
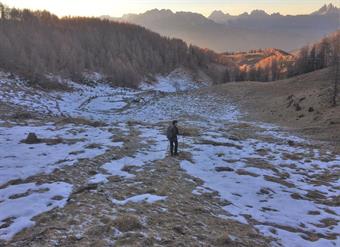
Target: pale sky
[{"x": 119, "y": 7}]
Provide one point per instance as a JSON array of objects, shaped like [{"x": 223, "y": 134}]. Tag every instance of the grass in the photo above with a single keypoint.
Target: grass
[
  {"x": 80, "y": 121},
  {"x": 94, "y": 146},
  {"x": 243, "y": 172},
  {"x": 126, "y": 223},
  {"x": 188, "y": 131}
]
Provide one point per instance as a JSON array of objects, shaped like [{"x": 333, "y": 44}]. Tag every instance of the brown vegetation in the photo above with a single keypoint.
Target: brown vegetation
[
  {"x": 127, "y": 223},
  {"x": 271, "y": 103},
  {"x": 35, "y": 44}
]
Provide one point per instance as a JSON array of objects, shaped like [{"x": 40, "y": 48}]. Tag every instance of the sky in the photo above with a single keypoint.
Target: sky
[{"x": 117, "y": 8}]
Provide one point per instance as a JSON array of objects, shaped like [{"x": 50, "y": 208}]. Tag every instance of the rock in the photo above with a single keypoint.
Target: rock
[
  {"x": 57, "y": 198},
  {"x": 32, "y": 139},
  {"x": 243, "y": 172},
  {"x": 264, "y": 191},
  {"x": 92, "y": 172},
  {"x": 314, "y": 212},
  {"x": 291, "y": 143},
  {"x": 310, "y": 109},
  {"x": 223, "y": 169},
  {"x": 297, "y": 107},
  {"x": 179, "y": 229},
  {"x": 22, "y": 115},
  {"x": 296, "y": 196}
]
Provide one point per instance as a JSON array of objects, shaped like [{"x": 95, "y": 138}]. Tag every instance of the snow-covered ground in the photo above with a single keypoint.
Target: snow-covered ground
[
  {"x": 20, "y": 203},
  {"x": 97, "y": 101},
  {"x": 240, "y": 172},
  {"x": 149, "y": 198},
  {"x": 267, "y": 181},
  {"x": 64, "y": 146},
  {"x": 176, "y": 81},
  {"x": 145, "y": 156},
  {"x": 60, "y": 146}
]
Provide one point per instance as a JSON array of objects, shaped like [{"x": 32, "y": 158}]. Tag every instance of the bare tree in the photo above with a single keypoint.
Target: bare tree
[
  {"x": 336, "y": 82},
  {"x": 35, "y": 43},
  {"x": 336, "y": 67}
]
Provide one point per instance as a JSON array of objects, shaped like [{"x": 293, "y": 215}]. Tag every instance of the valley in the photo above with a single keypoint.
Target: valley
[{"x": 100, "y": 174}]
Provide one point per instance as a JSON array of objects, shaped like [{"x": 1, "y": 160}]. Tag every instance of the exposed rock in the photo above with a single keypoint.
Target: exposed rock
[
  {"x": 223, "y": 169},
  {"x": 291, "y": 143},
  {"x": 296, "y": 196},
  {"x": 179, "y": 229},
  {"x": 246, "y": 173},
  {"x": 31, "y": 138}
]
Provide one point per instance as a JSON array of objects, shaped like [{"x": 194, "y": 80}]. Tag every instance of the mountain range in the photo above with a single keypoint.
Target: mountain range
[
  {"x": 224, "y": 32},
  {"x": 220, "y": 17}
]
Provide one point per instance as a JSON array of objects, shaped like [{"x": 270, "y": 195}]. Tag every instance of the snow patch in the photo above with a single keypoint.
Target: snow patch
[
  {"x": 20, "y": 160},
  {"x": 20, "y": 203},
  {"x": 264, "y": 200},
  {"x": 143, "y": 157},
  {"x": 176, "y": 81},
  {"x": 98, "y": 178},
  {"x": 148, "y": 198}
]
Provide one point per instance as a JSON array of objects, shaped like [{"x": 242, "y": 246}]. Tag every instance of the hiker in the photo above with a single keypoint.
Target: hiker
[{"x": 171, "y": 134}]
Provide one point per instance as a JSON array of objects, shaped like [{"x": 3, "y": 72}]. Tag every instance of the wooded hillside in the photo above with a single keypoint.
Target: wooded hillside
[{"x": 34, "y": 44}]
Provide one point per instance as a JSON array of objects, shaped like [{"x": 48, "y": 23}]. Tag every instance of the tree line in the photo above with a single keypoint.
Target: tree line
[
  {"x": 34, "y": 44},
  {"x": 317, "y": 56},
  {"x": 37, "y": 43}
]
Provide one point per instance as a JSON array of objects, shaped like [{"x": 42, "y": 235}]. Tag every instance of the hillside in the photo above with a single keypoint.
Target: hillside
[
  {"x": 37, "y": 44},
  {"x": 85, "y": 161},
  {"x": 222, "y": 32},
  {"x": 99, "y": 172},
  {"x": 302, "y": 103},
  {"x": 273, "y": 64},
  {"x": 259, "y": 64}
]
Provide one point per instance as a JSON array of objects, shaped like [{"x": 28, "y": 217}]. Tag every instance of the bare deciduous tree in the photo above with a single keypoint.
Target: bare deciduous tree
[
  {"x": 336, "y": 68},
  {"x": 34, "y": 44}
]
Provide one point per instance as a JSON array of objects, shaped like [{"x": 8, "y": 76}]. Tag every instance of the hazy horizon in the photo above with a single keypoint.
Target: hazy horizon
[{"x": 117, "y": 9}]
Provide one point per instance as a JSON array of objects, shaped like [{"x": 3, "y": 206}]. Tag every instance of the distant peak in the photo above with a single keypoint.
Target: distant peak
[
  {"x": 258, "y": 13},
  {"x": 276, "y": 14},
  {"x": 244, "y": 14},
  {"x": 219, "y": 13},
  {"x": 327, "y": 9},
  {"x": 219, "y": 16},
  {"x": 159, "y": 11}
]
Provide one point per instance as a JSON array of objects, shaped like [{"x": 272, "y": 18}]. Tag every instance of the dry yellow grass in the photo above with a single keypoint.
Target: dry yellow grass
[
  {"x": 189, "y": 131},
  {"x": 302, "y": 103},
  {"x": 127, "y": 223}
]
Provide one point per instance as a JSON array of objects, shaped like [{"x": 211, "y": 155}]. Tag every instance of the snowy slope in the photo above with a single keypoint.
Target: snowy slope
[
  {"x": 265, "y": 181},
  {"x": 240, "y": 172}
]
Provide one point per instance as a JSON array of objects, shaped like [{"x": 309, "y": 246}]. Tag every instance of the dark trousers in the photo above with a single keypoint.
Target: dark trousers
[{"x": 173, "y": 144}]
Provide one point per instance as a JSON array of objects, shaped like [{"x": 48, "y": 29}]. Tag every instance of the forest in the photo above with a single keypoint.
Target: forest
[
  {"x": 309, "y": 58},
  {"x": 34, "y": 44},
  {"x": 318, "y": 56}
]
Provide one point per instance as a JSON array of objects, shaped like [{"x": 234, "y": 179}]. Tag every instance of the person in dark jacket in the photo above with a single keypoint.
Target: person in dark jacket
[{"x": 171, "y": 134}]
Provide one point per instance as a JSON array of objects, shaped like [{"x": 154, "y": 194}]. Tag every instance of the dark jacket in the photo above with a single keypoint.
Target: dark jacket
[{"x": 172, "y": 132}]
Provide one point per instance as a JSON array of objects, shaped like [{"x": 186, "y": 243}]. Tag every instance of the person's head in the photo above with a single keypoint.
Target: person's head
[{"x": 174, "y": 122}]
